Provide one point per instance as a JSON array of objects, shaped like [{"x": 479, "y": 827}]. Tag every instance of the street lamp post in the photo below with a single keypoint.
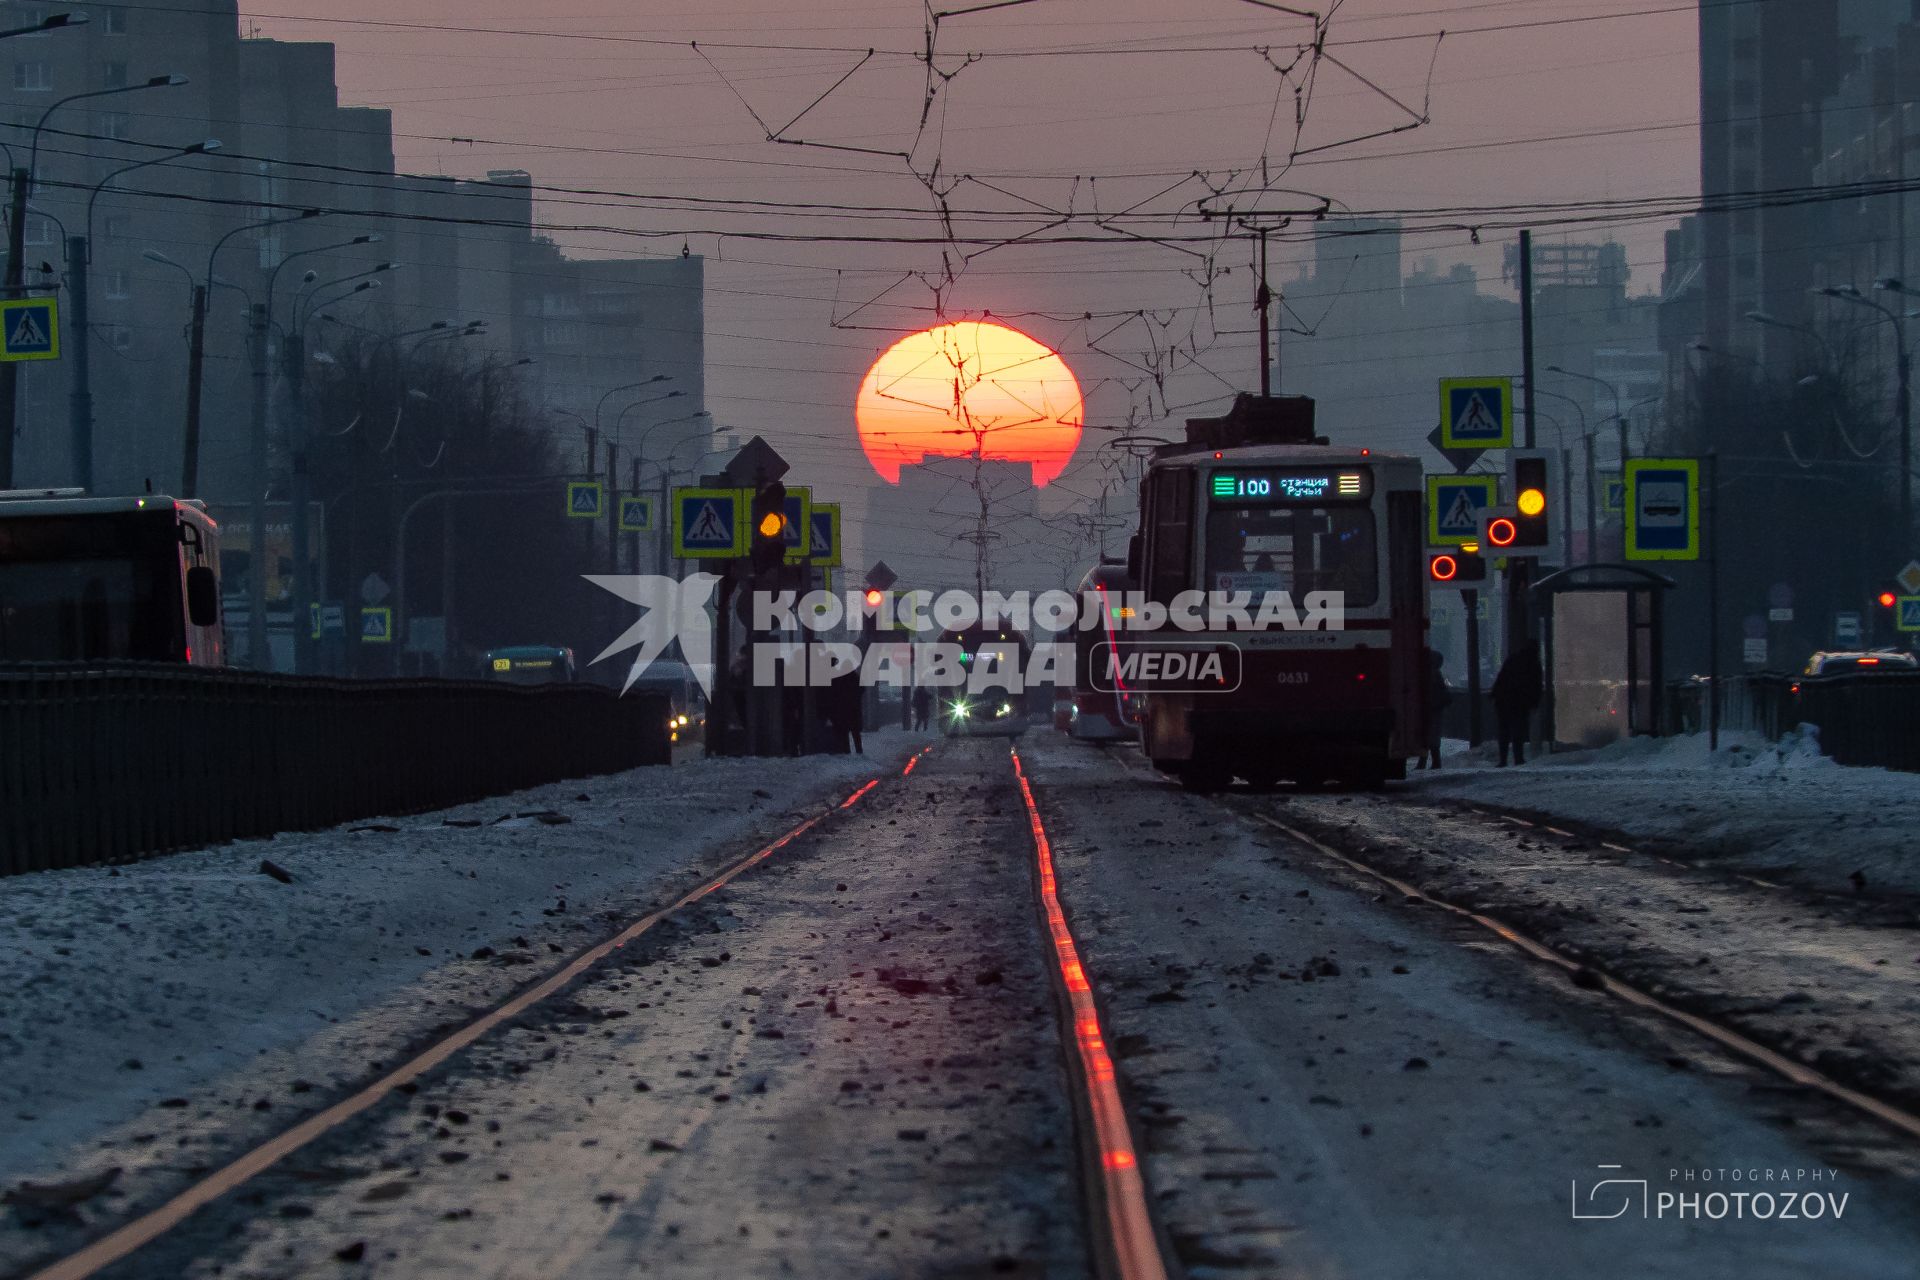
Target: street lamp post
[
  {"x": 295, "y": 359},
  {"x": 79, "y": 262},
  {"x": 22, "y": 184},
  {"x": 1892, "y": 285},
  {"x": 1586, "y": 437},
  {"x": 639, "y": 457},
  {"x": 197, "y": 363}
]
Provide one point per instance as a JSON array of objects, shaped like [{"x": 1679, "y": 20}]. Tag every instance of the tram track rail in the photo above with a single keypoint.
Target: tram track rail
[
  {"x": 1120, "y": 1236},
  {"x": 1895, "y": 1115},
  {"x": 127, "y": 1239}
]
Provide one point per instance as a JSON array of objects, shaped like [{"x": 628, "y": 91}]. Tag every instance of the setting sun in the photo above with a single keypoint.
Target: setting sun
[{"x": 967, "y": 387}]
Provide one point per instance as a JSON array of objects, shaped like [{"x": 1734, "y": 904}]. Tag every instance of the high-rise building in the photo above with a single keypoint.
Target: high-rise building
[{"x": 1765, "y": 69}]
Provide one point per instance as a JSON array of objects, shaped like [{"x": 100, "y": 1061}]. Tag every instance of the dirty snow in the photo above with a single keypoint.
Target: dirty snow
[
  {"x": 1329, "y": 1083},
  {"x": 1777, "y": 809},
  {"x": 187, "y": 981}
]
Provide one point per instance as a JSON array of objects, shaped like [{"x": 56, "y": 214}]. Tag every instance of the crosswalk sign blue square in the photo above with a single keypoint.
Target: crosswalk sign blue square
[
  {"x": 583, "y": 499},
  {"x": 1476, "y": 413},
  {"x": 30, "y": 329},
  {"x": 1454, "y": 504},
  {"x": 1908, "y": 613},
  {"x": 799, "y": 521},
  {"x": 636, "y": 515},
  {"x": 709, "y": 524},
  {"x": 376, "y": 624}
]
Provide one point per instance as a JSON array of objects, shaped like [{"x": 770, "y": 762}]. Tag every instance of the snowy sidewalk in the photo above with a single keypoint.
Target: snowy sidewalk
[
  {"x": 195, "y": 981},
  {"x": 1780, "y": 810}
]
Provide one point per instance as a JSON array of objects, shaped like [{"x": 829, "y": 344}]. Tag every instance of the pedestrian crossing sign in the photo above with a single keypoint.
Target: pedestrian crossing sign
[
  {"x": 1908, "y": 618},
  {"x": 583, "y": 499},
  {"x": 636, "y": 515},
  {"x": 376, "y": 624},
  {"x": 709, "y": 524},
  {"x": 799, "y": 519},
  {"x": 30, "y": 329},
  {"x": 1454, "y": 504},
  {"x": 1476, "y": 413},
  {"x": 823, "y": 542}
]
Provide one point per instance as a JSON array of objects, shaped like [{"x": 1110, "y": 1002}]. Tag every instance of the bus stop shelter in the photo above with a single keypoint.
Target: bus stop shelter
[{"x": 1601, "y": 630}]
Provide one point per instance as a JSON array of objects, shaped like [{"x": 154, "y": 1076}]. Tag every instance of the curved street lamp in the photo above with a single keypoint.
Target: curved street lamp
[{"x": 79, "y": 260}]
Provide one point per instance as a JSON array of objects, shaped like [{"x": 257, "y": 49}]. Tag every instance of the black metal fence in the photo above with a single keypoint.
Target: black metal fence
[
  {"x": 112, "y": 762},
  {"x": 1862, "y": 719}
]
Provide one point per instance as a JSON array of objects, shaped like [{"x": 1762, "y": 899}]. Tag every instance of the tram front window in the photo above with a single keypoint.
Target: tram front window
[{"x": 1294, "y": 549}]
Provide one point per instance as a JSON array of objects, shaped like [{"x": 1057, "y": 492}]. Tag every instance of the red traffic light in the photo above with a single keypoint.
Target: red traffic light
[
  {"x": 1443, "y": 568},
  {"x": 874, "y": 597},
  {"x": 1888, "y": 599},
  {"x": 1502, "y": 532}
]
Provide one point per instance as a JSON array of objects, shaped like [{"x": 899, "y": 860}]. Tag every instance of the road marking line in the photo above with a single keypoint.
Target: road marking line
[
  {"x": 1753, "y": 1051},
  {"x": 149, "y": 1226},
  {"x": 1134, "y": 1249}
]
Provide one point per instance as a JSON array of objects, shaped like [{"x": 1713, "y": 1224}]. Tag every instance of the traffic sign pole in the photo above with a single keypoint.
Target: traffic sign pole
[{"x": 1713, "y": 601}]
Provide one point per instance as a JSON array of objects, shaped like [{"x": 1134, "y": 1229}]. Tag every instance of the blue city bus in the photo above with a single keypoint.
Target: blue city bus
[{"x": 108, "y": 579}]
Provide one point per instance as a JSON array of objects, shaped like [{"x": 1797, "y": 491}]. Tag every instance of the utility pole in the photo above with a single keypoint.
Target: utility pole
[
  {"x": 1262, "y": 300},
  {"x": 1519, "y": 620},
  {"x": 80, "y": 421},
  {"x": 196, "y": 360},
  {"x": 633, "y": 543},
  {"x": 1593, "y": 516},
  {"x": 10, "y": 371},
  {"x": 257, "y": 484},
  {"x": 1906, "y": 440},
  {"x": 300, "y": 491}
]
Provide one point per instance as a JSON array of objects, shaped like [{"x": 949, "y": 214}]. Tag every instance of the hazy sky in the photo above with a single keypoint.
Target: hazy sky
[{"x": 1526, "y": 105}]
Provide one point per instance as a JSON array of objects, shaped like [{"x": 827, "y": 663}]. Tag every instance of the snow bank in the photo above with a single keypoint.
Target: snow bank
[
  {"x": 1779, "y": 809},
  {"x": 132, "y": 985}
]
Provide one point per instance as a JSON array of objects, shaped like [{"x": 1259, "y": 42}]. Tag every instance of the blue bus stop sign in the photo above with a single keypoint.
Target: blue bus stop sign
[{"x": 1663, "y": 509}]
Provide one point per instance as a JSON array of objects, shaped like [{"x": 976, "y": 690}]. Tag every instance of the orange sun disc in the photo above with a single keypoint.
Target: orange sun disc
[{"x": 967, "y": 387}]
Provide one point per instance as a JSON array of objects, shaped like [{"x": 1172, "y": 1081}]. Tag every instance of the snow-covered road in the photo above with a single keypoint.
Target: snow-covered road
[
  {"x": 1332, "y": 1082},
  {"x": 847, "y": 1062},
  {"x": 844, "y": 1064},
  {"x": 164, "y": 1015}
]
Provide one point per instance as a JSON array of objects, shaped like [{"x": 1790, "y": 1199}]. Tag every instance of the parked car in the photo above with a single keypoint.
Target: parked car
[{"x": 1854, "y": 663}]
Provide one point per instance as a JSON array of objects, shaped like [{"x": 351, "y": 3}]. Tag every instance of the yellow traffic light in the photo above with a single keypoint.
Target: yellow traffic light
[
  {"x": 771, "y": 524},
  {"x": 1531, "y": 502}
]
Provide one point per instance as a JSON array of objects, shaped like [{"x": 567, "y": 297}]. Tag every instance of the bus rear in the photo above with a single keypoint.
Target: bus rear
[{"x": 108, "y": 579}]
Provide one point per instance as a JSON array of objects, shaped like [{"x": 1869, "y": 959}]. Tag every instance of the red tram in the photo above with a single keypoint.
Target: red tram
[
  {"x": 1254, "y": 505},
  {"x": 1106, "y": 711}
]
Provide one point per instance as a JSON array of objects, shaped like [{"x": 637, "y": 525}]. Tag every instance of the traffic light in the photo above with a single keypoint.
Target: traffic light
[
  {"x": 1451, "y": 568},
  {"x": 1887, "y": 599},
  {"x": 768, "y": 515},
  {"x": 1532, "y": 500},
  {"x": 1499, "y": 528}
]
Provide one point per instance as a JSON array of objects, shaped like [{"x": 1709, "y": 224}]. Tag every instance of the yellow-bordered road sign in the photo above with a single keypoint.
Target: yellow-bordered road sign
[
  {"x": 583, "y": 499},
  {"x": 823, "y": 535},
  {"x": 1906, "y": 613},
  {"x": 710, "y": 524},
  {"x": 1476, "y": 413},
  {"x": 799, "y": 519},
  {"x": 1454, "y": 504},
  {"x": 30, "y": 329},
  {"x": 376, "y": 624},
  {"x": 1663, "y": 509},
  {"x": 636, "y": 515}
]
